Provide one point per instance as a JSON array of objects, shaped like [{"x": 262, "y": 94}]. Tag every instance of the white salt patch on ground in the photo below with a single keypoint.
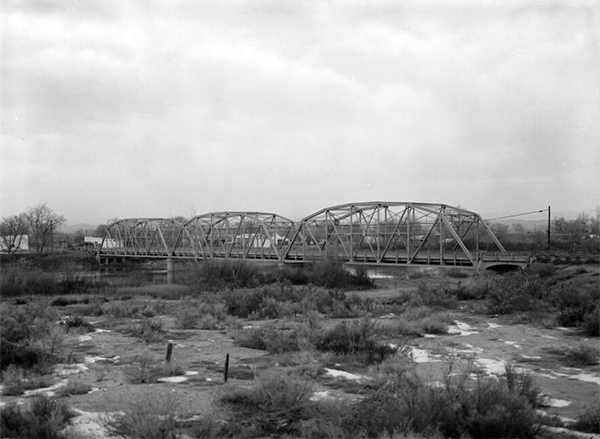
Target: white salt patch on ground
[
  {"x": 381, "y": 276},
  {"x": 494, "y": 325},
  {"x": 97, "y": 389},
  {"x": 530, "y": 357},
  {"x": 460, "y": 328},
  {"x": 102, "y": 330},
  {"x": 513, "y": 343},
  {"x": 93, "y": 359},
  {"x": 342, "y": 374},
  {"x": 429, "y": 336},
  {"x": 190, "y": 373},
  {"x": 320, "y": 396},
  {"x": 585, "y": 377},
  {"x": 178, "y": 379},
  {"x": 545, "y": 375},
  {"x": 83, "y": 338},
  {"x": 558, "y": 403},
  {"x": 48, "y": 391},
  {"x": 491, "y": 367},
  {"x": 422, "y": 356},
  {"x": 470, "y": 350},
  {"x": 571, "y": 433},
  {"x": 69, "y": 369}
]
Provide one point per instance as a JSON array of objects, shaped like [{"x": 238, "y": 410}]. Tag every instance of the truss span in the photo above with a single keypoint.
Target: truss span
[
  {"x": 140, "y": 237},
  {"x": 235, "y": 235},
  {"x": 382, "y": 233},
  {"x": 394, "y": 233}
]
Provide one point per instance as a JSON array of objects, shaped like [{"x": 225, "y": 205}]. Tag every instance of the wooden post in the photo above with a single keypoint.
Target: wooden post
[
  {"x": 226, "y": 371},
  {"x": 169, "y": 351}
]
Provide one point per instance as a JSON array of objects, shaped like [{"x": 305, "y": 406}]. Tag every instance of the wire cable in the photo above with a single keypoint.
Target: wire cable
[{"x": 518, "y": 214}]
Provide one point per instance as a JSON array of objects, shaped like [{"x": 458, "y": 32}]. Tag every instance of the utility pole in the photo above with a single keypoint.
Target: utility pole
[{"x": 548, "y": 228}]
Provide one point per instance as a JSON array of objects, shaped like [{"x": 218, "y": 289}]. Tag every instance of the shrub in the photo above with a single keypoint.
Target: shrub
[
  {"x": 576, "y": 302},
  {"x": 515, "y": 293},
  {"x": 434, "y": 297},
  {"x": 546, "y": 271},
  {"x": 150, "y": 415},
  {"x": 74, "y": 388},
  {"x": 401, "y": 327},
  {"x": 406, "y": 404},
  {"x": 45, "y": 418},
  {"x": 521, "y": 383},
  {"x": 122, "y": 309},
  {"x": 203, "y": 314},
  {"x": 29, "y": 336},
  {"x": 276, "y": 341},
  {"x": 64, "y": 301},
  {"x": 219, "y": 275},
  {"x": 434, "y": 325},
  {"x": 77, "y": 322},
  {"x": 273, "y": 406},
  {"x": 150, "y": 330},
  {"x": 591, "y": 322},
  {"x": 356, "y": 338},
  {"x": 583, "y": 355},
  {"x": 330, "y": 273},
  {"x": 142, "y": 369},
  {"x": 589, "y": 419},
  {"x": 277, "y": 390},
  {"x": 17, "y": 380}
]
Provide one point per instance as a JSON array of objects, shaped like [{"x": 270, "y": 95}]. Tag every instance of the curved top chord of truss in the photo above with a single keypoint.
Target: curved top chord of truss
[
  {"x": 246, "y": 235},
  {"x": 404, "y": 232},
  {"x": 151, "y": 237}
]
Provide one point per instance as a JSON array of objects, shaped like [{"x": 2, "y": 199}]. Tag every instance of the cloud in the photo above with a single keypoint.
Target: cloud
[{"x": 116, "y": 108}]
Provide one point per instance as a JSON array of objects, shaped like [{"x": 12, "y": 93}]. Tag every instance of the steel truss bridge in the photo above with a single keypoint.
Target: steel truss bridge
[{"x": 370, "y": 233}]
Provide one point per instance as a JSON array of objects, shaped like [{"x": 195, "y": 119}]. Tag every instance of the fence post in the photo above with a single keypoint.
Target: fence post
[
  {"x": 226, "y": 371},
  {"x": 169, "y": 351}
]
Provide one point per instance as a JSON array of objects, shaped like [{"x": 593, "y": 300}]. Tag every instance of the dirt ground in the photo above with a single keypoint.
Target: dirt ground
[{"x": 484, "y": 343}]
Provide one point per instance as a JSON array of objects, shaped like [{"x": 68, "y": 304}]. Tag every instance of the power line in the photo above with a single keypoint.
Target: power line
[{"x": 518, "y": 214}]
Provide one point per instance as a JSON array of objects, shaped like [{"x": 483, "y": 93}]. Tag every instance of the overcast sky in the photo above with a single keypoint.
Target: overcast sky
[{"x": 165, "y": 108}]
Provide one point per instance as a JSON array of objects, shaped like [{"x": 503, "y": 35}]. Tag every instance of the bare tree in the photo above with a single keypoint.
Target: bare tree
[
  {"x": 595, "y": 222},
  {"x": 42, "y": 222},
  {"x": 12, "y": 229}
]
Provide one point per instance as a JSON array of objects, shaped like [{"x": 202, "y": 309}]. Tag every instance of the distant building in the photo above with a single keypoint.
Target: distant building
[
  {"x": 93, "y": 242},
  {"x": 259, "y": 240}
]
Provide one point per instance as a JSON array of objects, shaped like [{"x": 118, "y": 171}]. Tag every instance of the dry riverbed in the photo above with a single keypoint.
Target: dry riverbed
[{"x": 106, "y": 358}]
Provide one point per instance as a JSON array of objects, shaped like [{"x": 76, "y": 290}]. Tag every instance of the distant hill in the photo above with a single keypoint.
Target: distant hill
[{"x": 68, "y": 228}]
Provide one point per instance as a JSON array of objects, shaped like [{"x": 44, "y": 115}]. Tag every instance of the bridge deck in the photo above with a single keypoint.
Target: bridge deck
[{"x": 448, "y": 259}]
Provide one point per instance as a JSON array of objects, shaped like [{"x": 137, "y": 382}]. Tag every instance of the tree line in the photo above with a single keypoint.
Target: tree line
[{"x": 39, "y": 223}]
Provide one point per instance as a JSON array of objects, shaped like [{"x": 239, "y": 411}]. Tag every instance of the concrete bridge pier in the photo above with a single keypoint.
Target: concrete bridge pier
[{"x": 170, "y": 269}]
